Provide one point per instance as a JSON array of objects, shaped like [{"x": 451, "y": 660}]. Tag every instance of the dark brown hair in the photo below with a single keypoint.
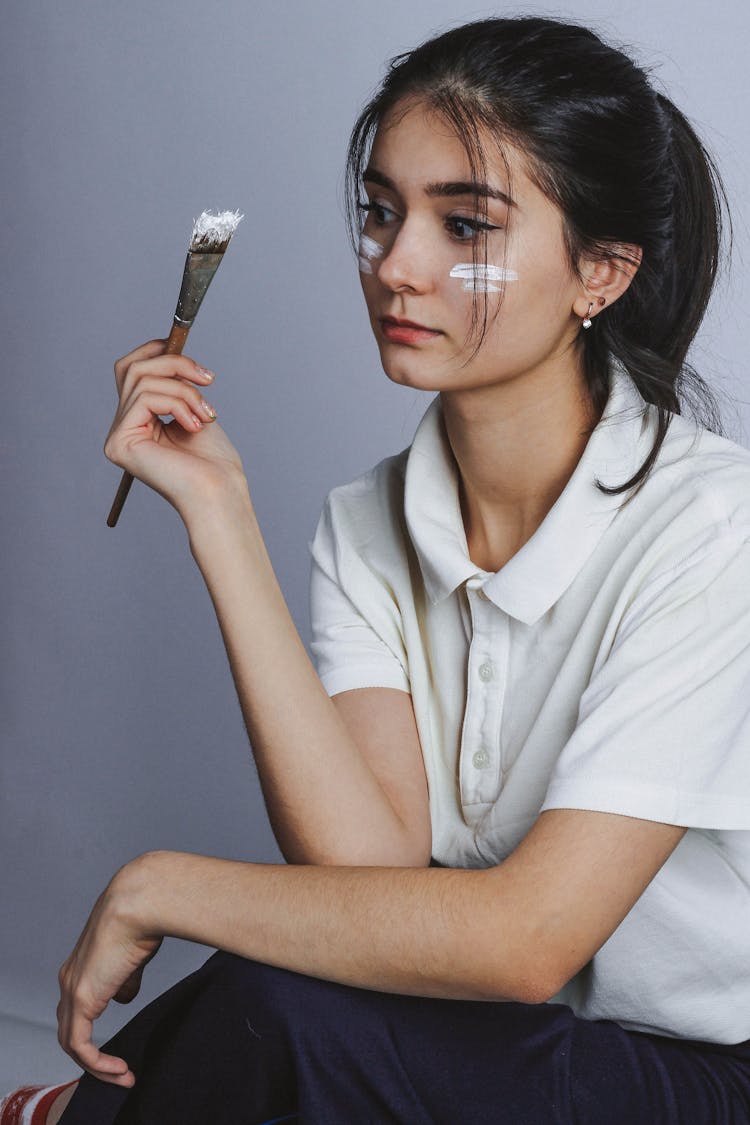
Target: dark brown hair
[{"x": 621, "y": 162}]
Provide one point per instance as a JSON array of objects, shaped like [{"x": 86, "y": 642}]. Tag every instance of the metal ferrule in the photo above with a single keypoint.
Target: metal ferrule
[{"x": 199, "y": 271}]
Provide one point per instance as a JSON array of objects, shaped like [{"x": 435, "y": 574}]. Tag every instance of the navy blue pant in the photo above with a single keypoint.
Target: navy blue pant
[{"x": 239, "y": 1043}]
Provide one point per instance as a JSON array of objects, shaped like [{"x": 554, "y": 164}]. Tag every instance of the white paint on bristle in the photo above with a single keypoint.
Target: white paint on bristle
[
  {"x": 480, "y": 277},
  {"x": 215, "y": 228}
]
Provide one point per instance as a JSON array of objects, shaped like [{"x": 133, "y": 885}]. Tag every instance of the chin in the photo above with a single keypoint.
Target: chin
[
  {"x": 408, "y": 374},
  {"x": 410, "y": 369}
]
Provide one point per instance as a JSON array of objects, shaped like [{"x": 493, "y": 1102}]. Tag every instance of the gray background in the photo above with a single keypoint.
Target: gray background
[{"x": 121, "y": 122}]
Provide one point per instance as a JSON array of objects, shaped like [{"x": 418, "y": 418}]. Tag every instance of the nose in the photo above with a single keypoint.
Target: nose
[{"x": 406, "y": 262}]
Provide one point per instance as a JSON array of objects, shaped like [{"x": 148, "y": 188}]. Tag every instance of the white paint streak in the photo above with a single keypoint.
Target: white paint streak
[
  {"x": 368, "y": 249},
  {"x": 480, "y": 277}
]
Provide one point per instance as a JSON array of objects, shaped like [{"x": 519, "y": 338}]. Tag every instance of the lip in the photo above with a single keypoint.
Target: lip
[{"x": 406, "y": 331}]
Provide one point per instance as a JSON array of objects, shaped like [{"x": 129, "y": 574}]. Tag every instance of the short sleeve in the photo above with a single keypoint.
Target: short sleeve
[
  {"x": 663, "y": 730},
  {"x": 357, "y": 636}
]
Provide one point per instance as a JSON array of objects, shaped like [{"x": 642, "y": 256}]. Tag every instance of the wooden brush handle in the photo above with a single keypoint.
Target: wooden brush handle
[{"x": 175, "y": 344}]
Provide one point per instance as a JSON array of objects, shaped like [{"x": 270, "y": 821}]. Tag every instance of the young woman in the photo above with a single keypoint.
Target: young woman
[{"x": 513, "y": 793}]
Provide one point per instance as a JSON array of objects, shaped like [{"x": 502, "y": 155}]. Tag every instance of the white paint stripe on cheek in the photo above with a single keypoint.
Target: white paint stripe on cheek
[
  {"x": 368, "y": 249},
  {"x": 480, "y": 277}
]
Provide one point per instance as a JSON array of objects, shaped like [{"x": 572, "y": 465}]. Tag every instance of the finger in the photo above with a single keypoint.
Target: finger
[
  {"x": 137, "y": 423},
  {"x": 169, "y": 366},
  {"x": 145, "y": 351},
  {"x": 83, "y": 1049},
  {"x": 75, "y": 1039},
  {"x": 107, "y": 1068},
  {"x": 168, "y": 388}
]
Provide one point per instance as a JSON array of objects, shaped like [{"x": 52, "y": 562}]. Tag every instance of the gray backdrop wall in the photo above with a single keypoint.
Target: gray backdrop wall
[{"x": 121, "y": 122}]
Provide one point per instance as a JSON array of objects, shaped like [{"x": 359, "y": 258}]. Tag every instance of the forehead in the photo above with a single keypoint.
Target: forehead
[{"x": 419, "y": 144}]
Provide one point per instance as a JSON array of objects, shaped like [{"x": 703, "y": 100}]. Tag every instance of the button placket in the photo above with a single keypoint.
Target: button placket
[{"x": 480, "y": 743}]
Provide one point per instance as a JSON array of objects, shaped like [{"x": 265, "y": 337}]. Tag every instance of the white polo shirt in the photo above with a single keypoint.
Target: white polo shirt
[{"x": 606, "y": 666}]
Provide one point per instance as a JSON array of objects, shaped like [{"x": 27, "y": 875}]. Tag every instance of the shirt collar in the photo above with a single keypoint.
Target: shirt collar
[{"x": 542, "y": 570}]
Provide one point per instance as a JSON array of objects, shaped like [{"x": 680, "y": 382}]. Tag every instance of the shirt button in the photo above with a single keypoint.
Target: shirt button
[
  {"x": 481, "y": 759},
  {"x": 486, "y": 672}
]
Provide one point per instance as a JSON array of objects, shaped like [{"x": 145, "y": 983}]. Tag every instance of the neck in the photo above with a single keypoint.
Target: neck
[{"x": 516, "y": 445}]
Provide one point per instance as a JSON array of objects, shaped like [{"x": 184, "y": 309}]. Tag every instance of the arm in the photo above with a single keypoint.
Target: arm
[
  {"x": 517, "y": 931},
  {"x": 343, "y": 779},
  {"x": 339, "y": 787},
  {"x": 514, "y": 932}
]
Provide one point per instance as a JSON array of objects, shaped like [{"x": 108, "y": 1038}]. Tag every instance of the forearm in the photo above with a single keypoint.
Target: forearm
[
  {"x": 428, "y": 932},
  {"x": 324, "y": 801}
]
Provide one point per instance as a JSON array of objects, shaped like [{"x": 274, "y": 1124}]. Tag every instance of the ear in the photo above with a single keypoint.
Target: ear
[{"x": 605, "y": 279}]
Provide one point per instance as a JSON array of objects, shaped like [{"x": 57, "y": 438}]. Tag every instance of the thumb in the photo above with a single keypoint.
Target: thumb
[{"x": 130, "y": 988}]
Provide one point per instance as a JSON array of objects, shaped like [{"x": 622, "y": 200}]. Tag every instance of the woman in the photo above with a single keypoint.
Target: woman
[{"x": 530, "y": 631}]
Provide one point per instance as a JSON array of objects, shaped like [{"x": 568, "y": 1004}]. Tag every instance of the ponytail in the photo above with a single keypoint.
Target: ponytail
[{"x": 651, "y": 327}]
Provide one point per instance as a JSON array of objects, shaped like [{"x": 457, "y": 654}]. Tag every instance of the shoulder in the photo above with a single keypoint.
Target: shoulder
[
  {"x": 369, "y": 509},
  {"x": 709, "y": 469},
  {"x": 684, "y": 537},
  {"x": 363, "y": 519},
  {"x": 696, "y": 500}
]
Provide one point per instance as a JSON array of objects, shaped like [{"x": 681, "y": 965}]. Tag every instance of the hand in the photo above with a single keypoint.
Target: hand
[
  {"x": 184, "y": 457},
  {"x": 106, "y": 964}
]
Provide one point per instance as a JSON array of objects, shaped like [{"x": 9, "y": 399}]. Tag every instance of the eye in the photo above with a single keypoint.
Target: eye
[
  {"x": 378, "y": 212},
  {"x": 466, "y": 230}
]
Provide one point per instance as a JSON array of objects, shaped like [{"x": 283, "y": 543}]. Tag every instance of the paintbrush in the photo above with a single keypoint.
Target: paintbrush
[{"x": 210, "y": 238}]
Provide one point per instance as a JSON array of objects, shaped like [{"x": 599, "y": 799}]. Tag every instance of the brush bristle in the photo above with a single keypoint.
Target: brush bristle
[{"x": 212, "y": 232}]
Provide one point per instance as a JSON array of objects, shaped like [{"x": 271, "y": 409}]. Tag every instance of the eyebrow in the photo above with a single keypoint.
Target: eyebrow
[{"x": 443, "y": 188}]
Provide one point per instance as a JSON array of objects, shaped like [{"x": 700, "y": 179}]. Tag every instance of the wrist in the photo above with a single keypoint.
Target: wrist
[
  {"x": 216, "y": 514},
  {"x": 213, "y": 492},
  {"x": 133, "y": 894}
]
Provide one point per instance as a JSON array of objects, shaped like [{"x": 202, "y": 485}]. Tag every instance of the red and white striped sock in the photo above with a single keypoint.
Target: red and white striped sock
[{"x": 31, "y": 1104}]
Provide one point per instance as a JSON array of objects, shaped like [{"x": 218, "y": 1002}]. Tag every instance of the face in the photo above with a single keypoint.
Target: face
[{"x": 415, "y": 259}]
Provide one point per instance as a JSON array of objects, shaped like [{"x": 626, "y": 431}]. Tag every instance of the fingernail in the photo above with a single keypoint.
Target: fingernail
[
  {"x": 197, "y": 421},
  {"x": 207, "y": 374},
  {"x": 210, "y": 412}
]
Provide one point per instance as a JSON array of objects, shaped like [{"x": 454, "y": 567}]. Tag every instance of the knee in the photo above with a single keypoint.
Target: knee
[
  {"x": 228, "y": 972},
  {"x": 268, "y": 997}
]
